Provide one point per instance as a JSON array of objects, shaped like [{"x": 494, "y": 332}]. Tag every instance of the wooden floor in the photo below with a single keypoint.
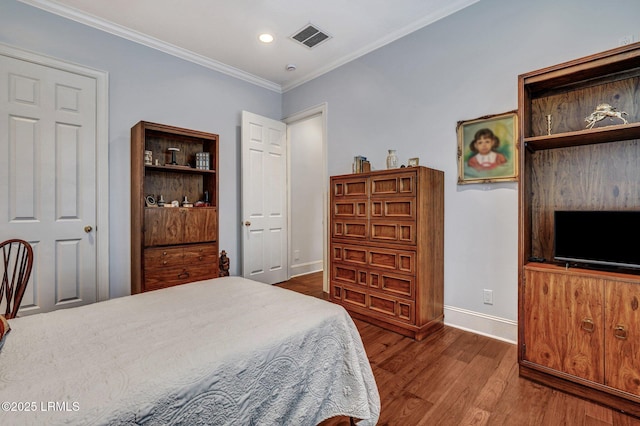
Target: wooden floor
[{"x": 459, "y": 378}]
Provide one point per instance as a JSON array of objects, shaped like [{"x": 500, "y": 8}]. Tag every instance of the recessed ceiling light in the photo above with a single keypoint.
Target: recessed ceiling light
[{"x": 266, "y": 38}]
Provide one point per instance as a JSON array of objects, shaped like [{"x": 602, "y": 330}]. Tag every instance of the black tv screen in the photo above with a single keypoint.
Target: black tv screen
[{"x": 608, "y": 238}]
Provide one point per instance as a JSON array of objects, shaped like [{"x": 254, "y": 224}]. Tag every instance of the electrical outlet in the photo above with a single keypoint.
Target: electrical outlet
[
  {"x": 296, "y": 255},
  {"x": 624, "y": 40},
  {"x": 487, "y": 297}
]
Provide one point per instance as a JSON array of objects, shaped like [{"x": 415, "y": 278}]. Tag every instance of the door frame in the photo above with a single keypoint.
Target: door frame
[
  {"x": 102, "y": 153},
  {"x": 322, "y": 110}
]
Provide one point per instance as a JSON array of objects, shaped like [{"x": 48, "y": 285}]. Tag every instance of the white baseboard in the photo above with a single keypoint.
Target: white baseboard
[
  {"x": 486, "y": 325},
  {"x": 305, "y": 268}
]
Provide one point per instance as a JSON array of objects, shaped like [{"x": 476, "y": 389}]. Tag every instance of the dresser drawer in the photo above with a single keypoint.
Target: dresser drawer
[
  {"x": 390, "y": 231},
  {"x": 403, "y": 261},
  {"x": 387, "y": 282},
  {"x": 350, "y": 228},
  {"x": 373, "y": 303},
  {"x": 392, "y": 284},
  {"x": 163, "y": 257},
  {"x": 200, "y": 254},
  {"x": 350, "y": 187},
  {"x": 350, "y": 209},
  {"x": 396, "y": 184},
  {"x": 394, "y": 208},
  {"x": 348, "y": 274},
  {"x": 202, "y": 271},
  {"x": 400, "y": 309},
  {"x": 165, "y": 277}
]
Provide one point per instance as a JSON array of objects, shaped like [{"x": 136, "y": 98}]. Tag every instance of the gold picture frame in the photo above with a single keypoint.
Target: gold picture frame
[{"x": 488, "y": 149}]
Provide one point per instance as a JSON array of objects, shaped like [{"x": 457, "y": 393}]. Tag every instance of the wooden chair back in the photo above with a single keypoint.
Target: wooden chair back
[{"x": 16, "y": 264}]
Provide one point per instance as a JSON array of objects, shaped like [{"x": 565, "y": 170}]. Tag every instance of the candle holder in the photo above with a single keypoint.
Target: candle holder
[
  {"x": 173, "y": 155},
  {"x": 549, "y": 124}
]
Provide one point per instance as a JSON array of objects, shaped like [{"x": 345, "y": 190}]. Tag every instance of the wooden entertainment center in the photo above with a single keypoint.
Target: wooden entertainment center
[{"x": 578, "y": 328}]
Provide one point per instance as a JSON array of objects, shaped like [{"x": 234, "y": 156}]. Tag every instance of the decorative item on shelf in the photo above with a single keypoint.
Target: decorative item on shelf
[
  {"x": 174, "y": 203},
  {"x": 150, "y": 201},
  {"x": 186, "y": 203},
  {"x": 358, "y": 164},
  {"x": 224, "y": 264},
  {"x": 202, "y": 161},
  {"x": 392, "y": 159},
  {"x": 548, "y": 124},
  {"x": 174, "y": 161},
  {"x": 207, "y": 201},
  {"x": 161, "y": 201},
  {"x": 603, "y": 111},
  {"x": 413, "y": 162},
  {"x": 148, "y": 158}
]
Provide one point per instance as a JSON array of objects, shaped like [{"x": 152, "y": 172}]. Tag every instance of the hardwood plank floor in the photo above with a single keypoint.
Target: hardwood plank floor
[{"x": 454, "y": 377}]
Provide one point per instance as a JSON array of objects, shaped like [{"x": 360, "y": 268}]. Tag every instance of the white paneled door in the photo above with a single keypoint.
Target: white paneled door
[
  {"x": 264, "y": 199},
  {"x": 48, "y": 179}
]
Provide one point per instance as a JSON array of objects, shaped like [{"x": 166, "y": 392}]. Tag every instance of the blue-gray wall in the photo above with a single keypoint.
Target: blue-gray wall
[
  {"x": 410, "y": 94},
  {"x": 145, "y": 84}
]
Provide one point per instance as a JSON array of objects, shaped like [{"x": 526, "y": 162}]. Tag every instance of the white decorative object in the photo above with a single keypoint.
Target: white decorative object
[
  {"x": 603, "y": 111},
  {"x": 148, "y": 158},
  {"x": 392, "y": 159}
]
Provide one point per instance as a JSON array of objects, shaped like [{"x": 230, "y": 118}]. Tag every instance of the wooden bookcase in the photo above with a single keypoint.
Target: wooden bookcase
[
  {"x": 579, "y": 329},
  {"x": 172, "y": 245},
  {"x": 387, "y": 248}
]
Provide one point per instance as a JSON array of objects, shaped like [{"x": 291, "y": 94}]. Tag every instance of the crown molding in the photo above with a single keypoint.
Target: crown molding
[
  {"x": 137, "y": 37},
  {"x": 187, "y": 55}
]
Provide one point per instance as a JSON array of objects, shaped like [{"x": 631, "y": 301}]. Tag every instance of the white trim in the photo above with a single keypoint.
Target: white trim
[
  {"x": 483, "y": 324},
  {"x": 137, "y": 37},
  {"x": 102, "y": 153},
  {"x": 321, "y": 109},
  {"x": 305, "y": 268},
  {"x": 154, "y": 43}
]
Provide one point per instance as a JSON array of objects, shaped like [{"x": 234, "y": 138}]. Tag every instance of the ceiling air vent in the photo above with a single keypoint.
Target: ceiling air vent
[{"x": 310, "y": 36}]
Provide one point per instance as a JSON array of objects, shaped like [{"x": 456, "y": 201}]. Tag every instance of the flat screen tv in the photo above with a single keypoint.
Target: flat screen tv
[{"x": 598, "y": 238}]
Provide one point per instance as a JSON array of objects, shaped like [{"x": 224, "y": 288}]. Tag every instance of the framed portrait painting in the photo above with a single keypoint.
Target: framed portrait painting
[{"x": 487, "y": 149}]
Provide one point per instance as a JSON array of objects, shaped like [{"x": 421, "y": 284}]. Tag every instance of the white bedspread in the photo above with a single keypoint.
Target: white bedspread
[{"x": 228, "y": 351}]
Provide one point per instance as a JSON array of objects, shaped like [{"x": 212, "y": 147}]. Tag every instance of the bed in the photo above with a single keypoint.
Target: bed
[{"x": 228, "y": 351}]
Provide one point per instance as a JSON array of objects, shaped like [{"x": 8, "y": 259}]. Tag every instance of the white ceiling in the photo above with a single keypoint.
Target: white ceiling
[{"x": 223, "y": 34}]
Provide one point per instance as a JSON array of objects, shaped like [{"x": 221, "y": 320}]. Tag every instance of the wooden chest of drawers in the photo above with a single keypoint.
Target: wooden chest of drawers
[{"x": 387, "y": 242}]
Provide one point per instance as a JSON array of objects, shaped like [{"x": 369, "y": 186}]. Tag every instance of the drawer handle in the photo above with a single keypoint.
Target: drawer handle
[
  {"x": 184, "y": 274},
  {"x": 164, "y": 262},
  {"x": 164, "y": 253},
  {"x": 200, "y": 258},
  {"x": 620, "y": 332},
  {"x": 587, "y": 325}
]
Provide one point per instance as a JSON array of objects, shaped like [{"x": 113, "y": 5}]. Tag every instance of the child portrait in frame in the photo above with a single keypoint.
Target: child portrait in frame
[{"x": 487, "y": 149}]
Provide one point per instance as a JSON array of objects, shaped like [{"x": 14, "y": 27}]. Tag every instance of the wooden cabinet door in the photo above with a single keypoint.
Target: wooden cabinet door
[
  {"x": 563, "y": 323},
  {"x": 200, "y": 225},
  {"x": 622, "y": 336},
  {"x": 170, "y": 226},
  {"x": 163, "y": 226}
]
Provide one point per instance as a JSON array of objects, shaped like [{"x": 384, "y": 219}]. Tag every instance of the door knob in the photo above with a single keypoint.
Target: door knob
[
  {"x": 88, "y": 229},
  {"x": 247, "y": 223}
]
